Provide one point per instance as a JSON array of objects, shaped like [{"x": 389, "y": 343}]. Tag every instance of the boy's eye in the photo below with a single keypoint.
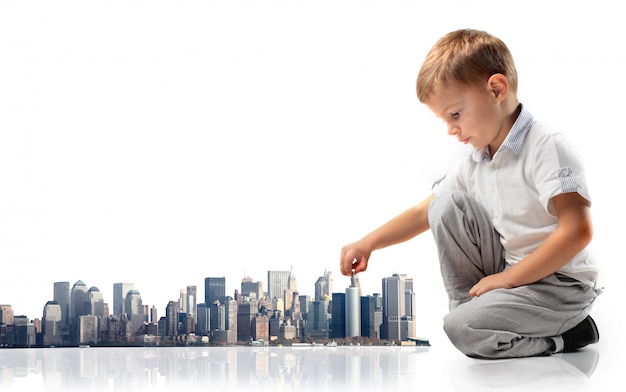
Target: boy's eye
[{"x": 455, "y": 115}]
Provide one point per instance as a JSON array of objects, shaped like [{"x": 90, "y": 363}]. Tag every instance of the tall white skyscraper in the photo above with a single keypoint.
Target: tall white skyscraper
[{"x": 353, "y": 308}]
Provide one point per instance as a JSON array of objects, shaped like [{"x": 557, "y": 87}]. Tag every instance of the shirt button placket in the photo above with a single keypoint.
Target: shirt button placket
[{"x": 493, "y": 189}]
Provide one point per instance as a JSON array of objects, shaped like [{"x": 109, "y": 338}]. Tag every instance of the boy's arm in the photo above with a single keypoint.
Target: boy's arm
[
  {"x": 403, "y": 227},
  {"x": 573, "y": 233}
]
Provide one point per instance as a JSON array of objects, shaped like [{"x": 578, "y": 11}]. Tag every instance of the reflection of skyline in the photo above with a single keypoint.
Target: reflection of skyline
[
  {"x": 364, "y": 368},
  {"x": 226, "y": 368}
]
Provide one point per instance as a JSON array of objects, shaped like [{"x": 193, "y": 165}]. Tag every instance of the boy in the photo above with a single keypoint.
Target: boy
[{"x": 511, "y": 220}]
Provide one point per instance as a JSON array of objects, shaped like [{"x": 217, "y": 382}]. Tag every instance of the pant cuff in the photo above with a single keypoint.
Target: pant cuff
[{"x": 559, "y": 344}]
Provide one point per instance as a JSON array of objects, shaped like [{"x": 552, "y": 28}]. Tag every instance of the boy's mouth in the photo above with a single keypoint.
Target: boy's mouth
[{"x": 465, "y": 141}]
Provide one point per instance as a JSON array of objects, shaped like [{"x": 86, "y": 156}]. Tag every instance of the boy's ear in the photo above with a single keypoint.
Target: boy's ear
[{"x": 498, "y": 86}]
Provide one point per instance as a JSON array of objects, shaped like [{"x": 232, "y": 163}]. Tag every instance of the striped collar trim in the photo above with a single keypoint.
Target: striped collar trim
[{"x": 515, "y": 138}]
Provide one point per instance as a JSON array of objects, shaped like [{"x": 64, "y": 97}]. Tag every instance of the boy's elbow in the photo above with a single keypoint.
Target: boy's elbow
[
  {"x": 582, "y": 233},
  {"x": 574, "y": 218},
  {"x": 586, "y": 233}
]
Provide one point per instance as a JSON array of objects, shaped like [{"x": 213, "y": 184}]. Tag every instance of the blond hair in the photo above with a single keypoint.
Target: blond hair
[{"x": 467, "y": 57}]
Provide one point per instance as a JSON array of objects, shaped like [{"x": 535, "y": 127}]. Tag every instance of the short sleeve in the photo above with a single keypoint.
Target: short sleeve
[{"x": 558, "y": 169}]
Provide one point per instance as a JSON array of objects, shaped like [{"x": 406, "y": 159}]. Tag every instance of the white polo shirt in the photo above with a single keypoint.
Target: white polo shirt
[{"x": 517, "y": 186}]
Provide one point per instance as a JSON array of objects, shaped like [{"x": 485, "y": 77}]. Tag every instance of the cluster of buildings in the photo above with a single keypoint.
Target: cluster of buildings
[{"x": 78, "y": 315}]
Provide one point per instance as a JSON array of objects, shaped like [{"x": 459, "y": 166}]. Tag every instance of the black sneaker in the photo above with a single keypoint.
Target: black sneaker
[{"x": 581, "y": 335}]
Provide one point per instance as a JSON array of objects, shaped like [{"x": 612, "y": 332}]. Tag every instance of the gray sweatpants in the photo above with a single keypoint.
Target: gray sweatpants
[{"x": 502, "y": 323}]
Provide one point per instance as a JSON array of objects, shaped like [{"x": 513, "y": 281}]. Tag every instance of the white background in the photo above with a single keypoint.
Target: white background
[{"x": 162, "y": 142}]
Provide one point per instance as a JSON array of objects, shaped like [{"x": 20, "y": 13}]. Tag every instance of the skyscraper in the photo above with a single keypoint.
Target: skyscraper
[
  {"x": 296, "y": 316},
  {"x": 188, "y": 308},
  {"x": 305, "y": 302},
  {"x": 277, "y": 283},
  {"x": 78, "y": 300},
  {"x": 24, "y": 332},
  {"x": 154, "y": 315},
  {"x": 292, "y": 287},
  {"x": 317, "y": 324},
  {"x": 52, "y": 321},
  {"x": 295, "y": 305},
  {"x": 231, "y": 319},
  {"x": 62, "y": 297},
  {"x": 251, "y": 289},
  {"x": 218, "y": 323},
  {"x": 171, "y": 317},
  {"x": 134, "y": 310},
  {"x": 338, "y": 320},
  {"x": 192, "y": 302},
  {"x": 324, "y": 287},
  {"x": 214, "y": 291},
  {"x": 88, "y": 329},
  {"x": 79, "y": 306},
  {"x": 399, "y": 308},
  {"x": 261, "y": 327},
  {"x": 119, "y": 297},
  {"x": 96, "y": 302},
  {"x": 353, "y": 308},
  {"x": 278, "y": 304},
  {"x": 7, "y": 316},
  {"x": 246, "y": 312},
  {"x": 202, "y": 323},
  {"x": 182, "y": 301},
  {"x": 224, "y": 325},
  {"x": 371, "y": 315}
]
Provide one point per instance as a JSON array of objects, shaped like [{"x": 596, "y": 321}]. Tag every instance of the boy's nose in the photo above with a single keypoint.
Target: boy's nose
[{"x": 453, "y": 130}]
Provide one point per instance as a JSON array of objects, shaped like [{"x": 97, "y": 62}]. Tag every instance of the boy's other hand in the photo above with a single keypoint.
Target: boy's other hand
[
  {"x": 488, "y": 283},
  {"x": 354, "y": 257}
]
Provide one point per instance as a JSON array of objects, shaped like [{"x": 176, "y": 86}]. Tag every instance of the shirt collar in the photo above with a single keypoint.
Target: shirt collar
[{"x": 514, "y": 139}]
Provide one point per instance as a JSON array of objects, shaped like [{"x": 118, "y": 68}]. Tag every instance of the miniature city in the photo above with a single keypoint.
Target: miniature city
[{"x": 79, "y": 316}]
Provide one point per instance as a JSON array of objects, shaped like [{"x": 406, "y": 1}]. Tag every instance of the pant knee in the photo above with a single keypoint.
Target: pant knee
[
  {"x": 447, "y": 207},
  {"x": 441, "y": 206},
  {"x": 458, "y": 326}
]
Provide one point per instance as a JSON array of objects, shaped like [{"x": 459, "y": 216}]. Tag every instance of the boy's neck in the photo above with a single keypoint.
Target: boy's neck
[
  {"x": 515, "y": 112},
  {"x": 512, "y": 110}
]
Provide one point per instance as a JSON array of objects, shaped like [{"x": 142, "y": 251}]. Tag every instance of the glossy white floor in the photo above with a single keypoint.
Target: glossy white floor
[
  {"x": 342, "y": 368},
  {"x": 437, "y": 368}
]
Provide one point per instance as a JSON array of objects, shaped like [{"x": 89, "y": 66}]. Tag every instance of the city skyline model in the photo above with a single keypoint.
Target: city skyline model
[{"x": 79, "y": 315}]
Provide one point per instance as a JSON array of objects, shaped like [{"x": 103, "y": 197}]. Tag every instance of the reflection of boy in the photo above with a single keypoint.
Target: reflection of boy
[{"x": 511, "y": 220}]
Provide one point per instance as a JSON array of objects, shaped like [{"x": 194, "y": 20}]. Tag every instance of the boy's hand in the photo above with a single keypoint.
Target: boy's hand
[
  {"x": 354, "y": 257},
  {"x": 488, "y": 283}
]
